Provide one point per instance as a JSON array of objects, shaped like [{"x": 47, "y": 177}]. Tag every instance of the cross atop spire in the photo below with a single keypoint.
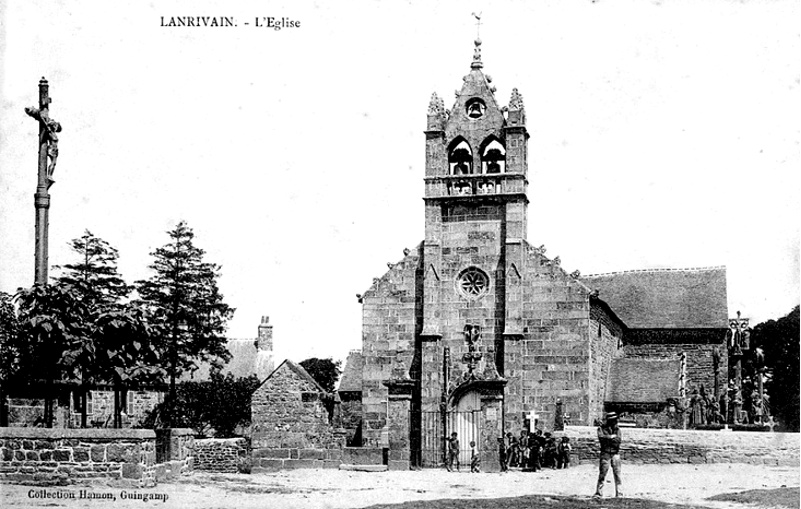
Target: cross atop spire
[{"x": 477, "y": 51}]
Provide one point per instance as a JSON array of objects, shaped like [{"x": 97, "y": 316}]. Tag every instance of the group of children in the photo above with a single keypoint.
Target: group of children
[{"x": 531, "y": 452}]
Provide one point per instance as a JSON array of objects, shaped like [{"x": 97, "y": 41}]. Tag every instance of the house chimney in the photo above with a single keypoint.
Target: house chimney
[{"x": 265, "y": 339}]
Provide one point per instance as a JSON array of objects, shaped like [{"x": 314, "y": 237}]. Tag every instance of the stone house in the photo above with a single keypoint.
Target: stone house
[
  {"x": 476, "y": 331},
  {"x": 293, "y": 421}
]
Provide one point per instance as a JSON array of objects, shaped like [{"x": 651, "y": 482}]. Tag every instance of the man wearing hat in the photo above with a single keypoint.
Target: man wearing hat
[{"x": 609, "y": 437}]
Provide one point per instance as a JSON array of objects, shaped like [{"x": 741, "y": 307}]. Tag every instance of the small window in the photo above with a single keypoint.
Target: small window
[
  {"x": 77, "y": 405},
  {"x": 308, "y": 397},
  {"x": 76, "y": 402},
  {"x": 127, "y": 401}
]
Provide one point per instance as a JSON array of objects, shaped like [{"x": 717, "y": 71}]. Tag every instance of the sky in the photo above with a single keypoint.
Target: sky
[{"x": 663, "y": 134}]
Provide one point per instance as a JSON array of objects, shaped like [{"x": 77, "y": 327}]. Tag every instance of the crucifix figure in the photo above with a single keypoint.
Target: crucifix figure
[
  {"x": 48, "y": 138},
  {"x": 738, "y": 341},
  {"x": 48, "y": 154}
]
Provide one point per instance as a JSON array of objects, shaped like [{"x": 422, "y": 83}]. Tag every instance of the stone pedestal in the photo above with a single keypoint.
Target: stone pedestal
[
  {"x": 491, "y": 429},
  {"x": 398, "y": 421}
]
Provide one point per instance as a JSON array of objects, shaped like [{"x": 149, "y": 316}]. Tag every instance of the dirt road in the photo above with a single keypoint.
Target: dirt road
[{"x": 686, "y": 484}]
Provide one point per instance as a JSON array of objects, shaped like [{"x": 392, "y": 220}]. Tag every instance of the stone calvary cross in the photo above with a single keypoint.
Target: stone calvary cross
[{"x": 48, "y": 154}]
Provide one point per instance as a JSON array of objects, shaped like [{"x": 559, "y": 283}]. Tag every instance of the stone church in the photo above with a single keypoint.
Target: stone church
[{"x": 477, "y": 331}]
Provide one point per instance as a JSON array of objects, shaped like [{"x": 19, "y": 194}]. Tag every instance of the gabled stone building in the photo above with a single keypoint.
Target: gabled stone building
[{"x": 476, "y": 331}]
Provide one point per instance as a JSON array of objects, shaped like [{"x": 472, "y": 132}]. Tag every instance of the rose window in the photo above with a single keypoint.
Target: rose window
[{"x": 472, "y": 283}]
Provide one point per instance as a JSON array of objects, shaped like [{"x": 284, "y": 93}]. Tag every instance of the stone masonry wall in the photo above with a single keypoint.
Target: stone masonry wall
[
  {"x": 606, "y": 336},
  {"x": 227, "y": 455},
  {"x": 63, "y": 456},
  {"x": 698, "y": 345},
  {"x": 388, "y": 338},
  {"x": 551, "y": 359},
  {"x": 139, "y": 403},
  {"x": 351, "y": 416},
  {"x": 288, "y": 412},
  {"x": 290, "y": 426},
  {"x": 175, "y": 453},
  {"x": 23, "y": 412},
  {"x": 687, "y": 446}
]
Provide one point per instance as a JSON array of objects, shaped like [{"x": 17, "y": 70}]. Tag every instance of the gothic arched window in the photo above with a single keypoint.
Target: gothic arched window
[
  {"x": 493, "y": 157},
  {"x": 460, "y": 158}
]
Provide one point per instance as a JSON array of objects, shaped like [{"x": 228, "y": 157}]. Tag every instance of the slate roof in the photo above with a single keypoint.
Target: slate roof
[
  {"x": 665, "y": 298},
  {"x": 351, "y": 380},
  {"x": 246, "y": 360},
  {"x": 643, "y": 380},
  {"x": 300, "y": 371}
]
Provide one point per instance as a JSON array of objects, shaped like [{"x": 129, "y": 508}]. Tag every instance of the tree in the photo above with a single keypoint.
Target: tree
[
  {"x": 9, "y": 350},
  {"x": 95, "y": 273},
  {"x": 95, "y": 277},
  {"x": 185, "y": 306},
  {"x": 55, "y": 332},
  {"x": 324, "y": 371},
  {"x": 229, "y": 402},
  {"x": 221, "y": 404},
  {"x": 125, "y": 352},
  {"x": 779, "y": 339}
]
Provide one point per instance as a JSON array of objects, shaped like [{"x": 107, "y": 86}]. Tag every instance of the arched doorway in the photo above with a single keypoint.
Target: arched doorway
[{"x": 465, "y": 419}]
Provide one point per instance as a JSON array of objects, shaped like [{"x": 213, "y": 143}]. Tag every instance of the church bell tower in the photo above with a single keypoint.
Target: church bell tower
[{"x": 475, "y": 211}]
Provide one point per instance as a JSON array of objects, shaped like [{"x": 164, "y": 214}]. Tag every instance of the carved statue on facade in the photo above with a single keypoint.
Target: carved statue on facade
[{"x": 472, "y": 335}]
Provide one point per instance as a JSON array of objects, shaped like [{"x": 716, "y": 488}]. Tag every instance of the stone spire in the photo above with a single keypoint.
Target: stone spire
[
  {"x": 436, "y": 113},
  {"x": 517, "y": 112},
  {"x": 516, "y": 102}
]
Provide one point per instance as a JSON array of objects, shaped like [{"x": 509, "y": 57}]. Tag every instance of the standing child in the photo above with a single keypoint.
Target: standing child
[
  {"x": 513, "y": 453},
  {"x": 475, "y": 459},
  {"x": 502, "y": 455},
  {"x": 453, "y": 453},
  {"x": 563, "y": 451}
]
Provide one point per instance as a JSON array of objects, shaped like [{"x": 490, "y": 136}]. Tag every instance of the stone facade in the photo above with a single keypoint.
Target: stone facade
[
  {"x": 685, "y": 446},
  {"x": 475, "y": 329},
  {"x": 100, "y": 408},
  {"x": 291, "y": 425}
]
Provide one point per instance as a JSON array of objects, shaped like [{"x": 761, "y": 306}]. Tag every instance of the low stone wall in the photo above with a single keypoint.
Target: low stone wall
[
  {"x": 175, "y": 453},
  {"x": 641, "y": 445},
  {"x": 270, "y": 460},
  {"x": 229, "y": 455},
  {"x": 364, "y": 456},
  {"x": 63, "y": 456}
]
